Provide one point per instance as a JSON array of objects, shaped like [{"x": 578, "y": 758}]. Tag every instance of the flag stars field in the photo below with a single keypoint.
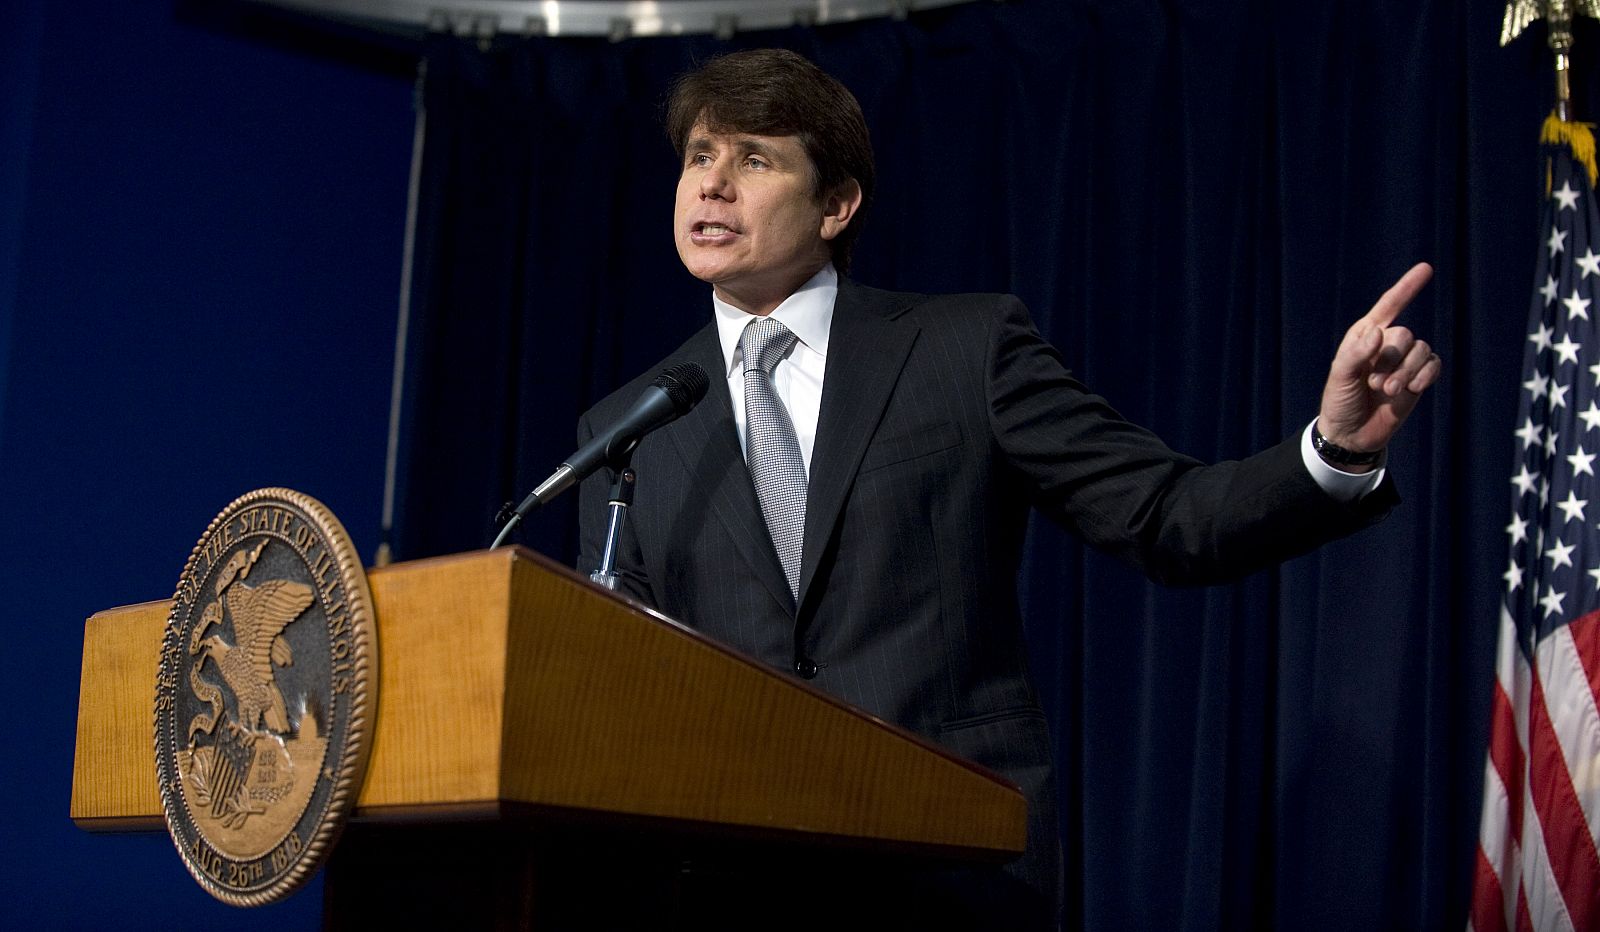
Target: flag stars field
[
  {"x": 1577, "y": 305},
  {"x": 1590, "y": 417},
  {"x": 1524, "y": 479},
  {"x": 1566, "y": 196},
  {"x": 1518, "y": 529},
  {"x": 1572, "y": 507},
  {"x": 1551, "y": 600},
  {"x": 1560, "y": 554}
]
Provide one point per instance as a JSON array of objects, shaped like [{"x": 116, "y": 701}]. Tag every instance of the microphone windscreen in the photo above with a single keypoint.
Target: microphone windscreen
[{"x": 685, "y": 384}]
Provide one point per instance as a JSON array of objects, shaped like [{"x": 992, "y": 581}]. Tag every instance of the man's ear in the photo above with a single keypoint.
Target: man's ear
[{"x": 839, "y": 208}]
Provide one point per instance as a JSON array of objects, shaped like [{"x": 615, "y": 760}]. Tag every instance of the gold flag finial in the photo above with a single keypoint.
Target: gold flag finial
[{"x": 1558, "y": 14}]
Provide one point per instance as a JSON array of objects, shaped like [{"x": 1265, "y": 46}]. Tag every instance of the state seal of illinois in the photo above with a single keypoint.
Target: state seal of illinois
[{"x": 266, "y": 696}]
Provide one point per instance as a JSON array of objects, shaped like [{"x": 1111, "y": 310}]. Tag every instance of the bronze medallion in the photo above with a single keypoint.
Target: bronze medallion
[{"x": 266, "y": 696}]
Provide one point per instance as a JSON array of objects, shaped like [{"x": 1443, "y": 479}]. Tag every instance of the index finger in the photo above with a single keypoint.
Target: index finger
[{"x": 1399, "y": 295}]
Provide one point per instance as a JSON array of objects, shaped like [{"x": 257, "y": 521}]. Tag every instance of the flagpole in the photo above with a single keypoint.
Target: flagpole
[
  {"x": 1558, "y": 15},
  {"x": 1563, "y": 86}
]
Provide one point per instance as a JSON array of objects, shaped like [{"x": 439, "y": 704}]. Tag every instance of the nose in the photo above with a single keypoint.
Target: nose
[{"x": 715, "y": 183}]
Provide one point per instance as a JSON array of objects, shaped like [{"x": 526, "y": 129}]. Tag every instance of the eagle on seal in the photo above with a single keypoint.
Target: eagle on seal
[{"x": 260, "y": 613}]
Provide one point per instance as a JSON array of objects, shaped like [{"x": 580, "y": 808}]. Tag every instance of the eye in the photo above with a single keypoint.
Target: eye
[{"x": 757, "y": 162}]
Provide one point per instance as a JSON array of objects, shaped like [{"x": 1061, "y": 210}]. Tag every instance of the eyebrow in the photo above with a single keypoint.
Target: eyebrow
[
  {"x": 749, "y": 146},
  {"x": 746, "y": 145}
]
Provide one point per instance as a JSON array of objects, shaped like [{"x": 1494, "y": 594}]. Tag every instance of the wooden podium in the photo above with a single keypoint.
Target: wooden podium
[{"x": 541, "y": 743}]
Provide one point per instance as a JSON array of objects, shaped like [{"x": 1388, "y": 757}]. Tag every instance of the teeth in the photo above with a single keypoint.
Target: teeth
[{"x": 713, "y": 229}]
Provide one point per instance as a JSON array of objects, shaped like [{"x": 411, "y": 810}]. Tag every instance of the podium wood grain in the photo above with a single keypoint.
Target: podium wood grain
[{"x": 508, "y": 684}]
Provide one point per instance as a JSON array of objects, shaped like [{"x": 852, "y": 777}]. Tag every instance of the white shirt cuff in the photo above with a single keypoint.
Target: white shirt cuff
[{"x": 1342, "y": 486}]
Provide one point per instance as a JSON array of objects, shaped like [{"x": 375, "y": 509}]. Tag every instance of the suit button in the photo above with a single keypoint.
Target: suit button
[{"x": 805, "y": 668}]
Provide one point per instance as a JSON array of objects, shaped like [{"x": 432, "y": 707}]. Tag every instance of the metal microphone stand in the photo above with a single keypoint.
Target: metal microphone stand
[{"x": 617, "y": 516}]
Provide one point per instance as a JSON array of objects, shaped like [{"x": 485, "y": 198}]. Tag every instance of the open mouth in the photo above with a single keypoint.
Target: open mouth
[{"x": 706, "y": 233}]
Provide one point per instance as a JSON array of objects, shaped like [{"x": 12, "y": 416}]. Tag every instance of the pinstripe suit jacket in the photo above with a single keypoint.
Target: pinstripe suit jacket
[{"x": 943, "y": 420}]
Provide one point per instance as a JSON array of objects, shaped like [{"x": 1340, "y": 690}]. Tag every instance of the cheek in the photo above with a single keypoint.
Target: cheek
[
  {"x": 686, "y": 196},
  {"x": 801, "y": 229}
]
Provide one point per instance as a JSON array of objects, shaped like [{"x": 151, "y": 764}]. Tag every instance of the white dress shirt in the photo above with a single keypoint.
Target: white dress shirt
[
  {"x": 1342, "y": 486},
  {"x": 808, "y": 313}
]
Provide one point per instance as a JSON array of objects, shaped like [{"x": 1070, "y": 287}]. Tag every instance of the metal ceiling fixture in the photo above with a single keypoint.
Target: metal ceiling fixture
[{"x": 616, "y": 19}]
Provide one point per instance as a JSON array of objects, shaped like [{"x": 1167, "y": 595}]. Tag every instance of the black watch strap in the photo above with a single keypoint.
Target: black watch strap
[{"x": 1338, "y": 455}]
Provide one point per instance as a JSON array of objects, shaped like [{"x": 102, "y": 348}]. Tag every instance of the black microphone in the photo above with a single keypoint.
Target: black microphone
[{"x": 672, "y": 395}]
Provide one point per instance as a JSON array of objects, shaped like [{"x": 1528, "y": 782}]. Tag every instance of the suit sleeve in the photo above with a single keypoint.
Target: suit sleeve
[
  {"x": 1126, "y": 492},
  {"x": 594, "y": 494}
]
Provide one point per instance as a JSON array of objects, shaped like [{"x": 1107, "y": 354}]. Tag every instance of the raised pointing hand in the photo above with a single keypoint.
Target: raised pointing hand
[{"x": 1378, "y": 372}]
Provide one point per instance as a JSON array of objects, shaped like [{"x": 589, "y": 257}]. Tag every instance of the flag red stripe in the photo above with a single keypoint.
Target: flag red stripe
[
  {"x": 1586, "y": 637},
  {"x": 1488, "y": 900},
  {"x": 1505, "y": 752},
  {"x": 1524, "y": 918},
  {"x": 1568, "y": 846}
]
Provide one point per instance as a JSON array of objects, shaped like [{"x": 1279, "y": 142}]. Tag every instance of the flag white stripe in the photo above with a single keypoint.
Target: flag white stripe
[
  {"x": 1570, "y": 703},
  {"x": 1507, "y": 658},
  {"x": 1515, "y": 677},
  {"x": 1494, "y": 838},
  {"x": 1546, "y": 907}
]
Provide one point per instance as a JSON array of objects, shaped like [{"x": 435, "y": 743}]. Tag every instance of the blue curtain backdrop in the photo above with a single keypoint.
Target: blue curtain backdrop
[
  {"x": 1196, "y": 199},
  {"x": 200, "y": 235}
]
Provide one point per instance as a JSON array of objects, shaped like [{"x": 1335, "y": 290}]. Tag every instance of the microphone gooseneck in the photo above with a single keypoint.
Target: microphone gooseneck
[{"x": 669, "y": 396}]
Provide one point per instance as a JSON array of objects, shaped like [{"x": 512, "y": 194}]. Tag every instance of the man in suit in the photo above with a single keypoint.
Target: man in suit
[{"x": 849, "y": 501}]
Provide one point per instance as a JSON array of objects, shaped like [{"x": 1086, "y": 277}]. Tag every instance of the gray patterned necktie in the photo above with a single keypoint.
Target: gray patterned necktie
[{"x": 771, "y": 447}]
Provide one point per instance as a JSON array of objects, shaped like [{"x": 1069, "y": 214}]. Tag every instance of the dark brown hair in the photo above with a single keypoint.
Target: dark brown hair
[{"x": 774, "y": 92}]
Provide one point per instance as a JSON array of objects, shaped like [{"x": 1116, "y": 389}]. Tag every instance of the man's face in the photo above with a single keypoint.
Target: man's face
[{"x": 748, "y": 219}]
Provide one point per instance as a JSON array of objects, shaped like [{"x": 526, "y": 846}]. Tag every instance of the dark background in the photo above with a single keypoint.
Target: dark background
[{"x": 201, "y": 214}]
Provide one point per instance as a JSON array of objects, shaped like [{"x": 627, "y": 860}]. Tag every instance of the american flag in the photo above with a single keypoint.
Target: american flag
[{"x": 1538, "y": 866}]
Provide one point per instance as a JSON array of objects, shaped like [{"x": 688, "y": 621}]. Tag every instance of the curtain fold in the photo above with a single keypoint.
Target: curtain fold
[{"x": 1196, "y": 199}]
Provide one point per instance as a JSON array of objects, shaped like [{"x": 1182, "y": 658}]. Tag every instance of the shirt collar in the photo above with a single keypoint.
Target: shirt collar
[{"x": 808, "y": 313}]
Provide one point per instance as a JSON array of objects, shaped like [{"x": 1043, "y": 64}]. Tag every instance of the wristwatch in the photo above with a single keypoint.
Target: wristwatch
[{"x": 1338, "y": 455}]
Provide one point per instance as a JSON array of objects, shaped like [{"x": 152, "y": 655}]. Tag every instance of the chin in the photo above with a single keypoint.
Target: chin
[
  {"x": 708, "y": 272},
  {"x": 708, "y": 275}
]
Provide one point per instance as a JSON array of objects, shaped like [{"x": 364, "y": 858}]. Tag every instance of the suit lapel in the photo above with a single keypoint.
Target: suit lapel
[
  {"x": 867, "y": 348},
  {"x": 707, "y": 435}
]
